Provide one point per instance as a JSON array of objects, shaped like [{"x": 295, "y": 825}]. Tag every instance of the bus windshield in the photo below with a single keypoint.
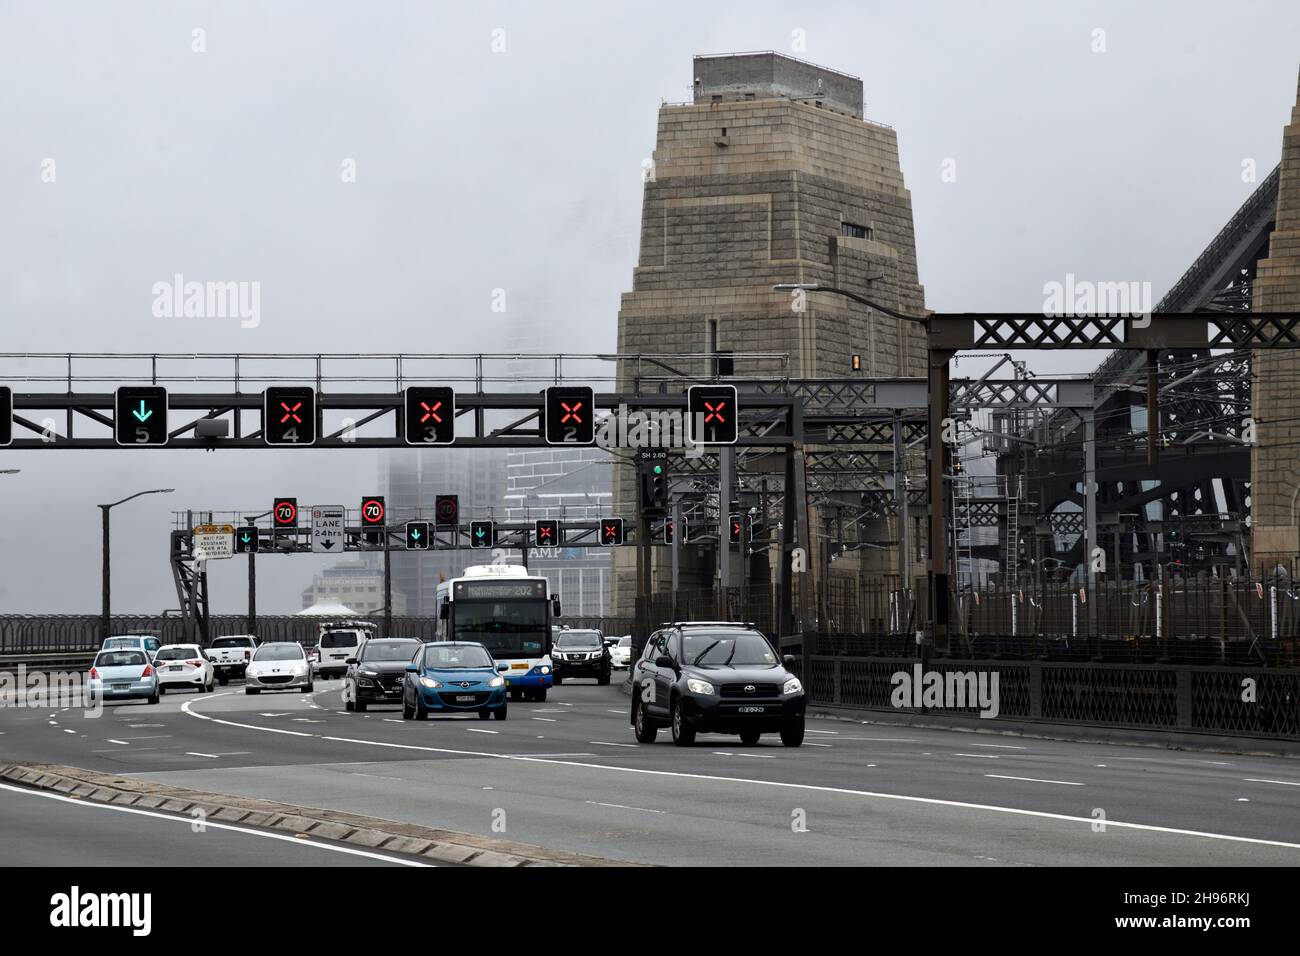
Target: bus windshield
[{"x": 505, "y": 628}]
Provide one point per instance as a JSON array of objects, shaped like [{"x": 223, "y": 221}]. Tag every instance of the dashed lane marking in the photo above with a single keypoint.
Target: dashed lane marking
[{"x": 1063, "y": 783}]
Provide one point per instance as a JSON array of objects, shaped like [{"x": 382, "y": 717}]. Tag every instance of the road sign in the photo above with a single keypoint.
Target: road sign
[
  {"x": 570, "y": 415},
  {"x": 372, "y": 518},
  {"x": 327, "y": 524},
  {"x": 711, "y": 414},
  {"x": 140, "y": 415},
  {"x": 246, "y": 540},
  {"x": 6, "y": 415},
  {"x": 289, "y": 415},
  {"x": 482, "y": 534},
  {"x": 213, "y": 542},
  {"x": 611, "y": 531},
  {"x": 547, "y": 534},
  {"x": 417, "y": 536},
  {"x": 284, "y": 513},
  {"x": 430, "y": 415},
  {"x": 446, "y": 510}
]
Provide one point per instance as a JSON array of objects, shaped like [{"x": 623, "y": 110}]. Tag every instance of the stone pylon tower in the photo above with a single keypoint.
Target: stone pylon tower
[
  {"x": 1275, "y": 394},
  {"x": 770, "y": 175}
]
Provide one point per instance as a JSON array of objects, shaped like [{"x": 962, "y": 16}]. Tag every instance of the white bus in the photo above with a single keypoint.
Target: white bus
[{"x": 508, "y": 611}]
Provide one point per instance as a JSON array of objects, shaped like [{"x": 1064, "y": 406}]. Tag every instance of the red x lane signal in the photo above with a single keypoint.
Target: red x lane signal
[
  {"x": 547, "y": 533},
  {"x": 430, "y": 415},
  {"x": 711, "y": 414},
  {"x": 289, "y": 415},
  {"x": 569, "y": 414},
  {"x": 611, "y": 531}
]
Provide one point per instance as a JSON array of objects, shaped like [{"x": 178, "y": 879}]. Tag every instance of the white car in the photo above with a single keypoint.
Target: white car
[
  {"x": 183, "y": 665},
  {"x": 281, "y": 665},
  {"x": 620, "y": 655}
]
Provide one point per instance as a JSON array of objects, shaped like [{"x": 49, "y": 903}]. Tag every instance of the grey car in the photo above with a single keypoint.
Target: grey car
[{"x": 123, "y": 675}]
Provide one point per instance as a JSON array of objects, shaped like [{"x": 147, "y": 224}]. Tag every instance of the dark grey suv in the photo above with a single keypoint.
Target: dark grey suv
[{"x": 715, "y": 677}]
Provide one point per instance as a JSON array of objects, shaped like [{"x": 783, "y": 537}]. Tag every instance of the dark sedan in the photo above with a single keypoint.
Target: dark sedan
[
  {"x": 715, "y": 678},
  {"x": 378, "y": 672}
]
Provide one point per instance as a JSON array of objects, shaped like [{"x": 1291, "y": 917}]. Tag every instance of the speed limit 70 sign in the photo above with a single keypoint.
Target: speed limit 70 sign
[
  {"x": 284, "y": 513},
  {"x": 372, "y": 518}
]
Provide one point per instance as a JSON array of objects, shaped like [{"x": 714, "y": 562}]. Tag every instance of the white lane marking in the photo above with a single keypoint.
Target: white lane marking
[
  {"x": 66, "y": 731},
  {"x": 284, "y": 714},
  {"x": 892, "y": 740},
  {"x": 122, "y": 742},
  {"x": 307, "y": 720},
  {"x": 725, "y": 753},
  {"x": 784, "y": 785},
  {"x": 191, "y": 753},
  {"x": 152, "y": 737},
  {"x": 607, "y": 743},
  {"x": 188, "y": 821},
  {"x": 481, "y": 730},
  {"x": 185, "y": 708},
  {"x": 1064, "y": 783},
  {"x": 809, "y": 743},
  {"x": 53, "y": 723},
  {"x": 142, "y": 726},
  {"x": 984, "y": 756},
  {"x": 624, "y": 712},
  {"x": 833, "y": 732},
  {"x": 394, "y": 720},
  {"x": 377, "y": 776},
  {"x": 1001, "y": 746},
  {"x": 549, "y": 720},
  {"x": 620, "y": 806},
  {"x": 551, "y": 755},
  {"x": 1284, "y": 783}
]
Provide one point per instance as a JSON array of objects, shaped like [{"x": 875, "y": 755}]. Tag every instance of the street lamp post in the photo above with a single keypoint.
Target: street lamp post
[{"x": 104, "y": 509}]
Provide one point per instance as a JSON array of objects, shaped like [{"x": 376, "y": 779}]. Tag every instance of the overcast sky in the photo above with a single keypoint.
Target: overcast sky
[{"x": 520, "y": 169}]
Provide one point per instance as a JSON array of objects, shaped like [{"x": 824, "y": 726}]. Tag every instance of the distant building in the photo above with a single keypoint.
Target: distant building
[{"x": 354, "y": 582}]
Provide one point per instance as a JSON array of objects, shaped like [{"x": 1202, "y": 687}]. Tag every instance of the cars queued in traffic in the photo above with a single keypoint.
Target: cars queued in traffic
[{"x": 692, "y": 677}]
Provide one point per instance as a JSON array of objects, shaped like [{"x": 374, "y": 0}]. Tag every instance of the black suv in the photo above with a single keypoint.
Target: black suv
[
  {"x": 376, "y": 675},
  {"x": 580, "y": 653},
  {"x": 715, "y": 677}
]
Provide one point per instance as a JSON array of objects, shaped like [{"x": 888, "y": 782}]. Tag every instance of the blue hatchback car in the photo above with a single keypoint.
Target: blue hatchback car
[{"x": 448, "y": 677}]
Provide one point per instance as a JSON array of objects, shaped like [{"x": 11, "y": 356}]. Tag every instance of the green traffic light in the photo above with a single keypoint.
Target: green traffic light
[{"x": 659, "y": 469}]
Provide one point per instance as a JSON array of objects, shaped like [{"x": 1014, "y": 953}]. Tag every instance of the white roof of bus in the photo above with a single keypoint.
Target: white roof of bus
[{"x": 496, "y": 571}]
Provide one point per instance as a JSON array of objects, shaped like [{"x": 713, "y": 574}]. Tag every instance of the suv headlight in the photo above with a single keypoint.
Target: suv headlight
[
  {"x": 697, "y": 686},
  {"x": 792, "y": 686},
  {"x": 371, "y": 673},
  {"x": 429, "y": 682},
  {"x": 496, "y": 682}
]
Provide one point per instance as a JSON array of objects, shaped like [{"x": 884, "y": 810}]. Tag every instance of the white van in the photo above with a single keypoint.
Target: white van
[{"x": 339, "y": 642}]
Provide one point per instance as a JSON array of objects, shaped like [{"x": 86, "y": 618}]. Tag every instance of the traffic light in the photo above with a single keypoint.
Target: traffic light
[
  {"x": 611, "y": 531},
  {"x": 670, "y": 531},
  {"x": 547, "y": 534},
  {"x": 430, "y": 415},
  {"x": 482, "y": 534},
  {"x": 289, "y": 415},
  {"x": 654, "y": 486},
  {"x": 372, "y": 519},
  {"x": 570, "y": 415},
  {"x": 140, "y": 415},
  {"x": 6, "y": 415},
  {"x": 246, "y": 540},
  {"x": 284, "y": 513},
  {"x": 711, "y": 414},
  {"x": 446, "y": 510},
  {"x": 737, "y": 525},
  {"x": 417, "y": 536}
]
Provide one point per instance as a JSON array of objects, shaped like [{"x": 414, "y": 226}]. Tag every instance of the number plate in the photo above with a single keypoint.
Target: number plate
[
  {"x": 465, "y": 698},
  {"x": 175, "y": 667},
  {"x": 121, "y": 687},
  {"x": 751, "y": 710},
  {"x": 519, "y": 667}
]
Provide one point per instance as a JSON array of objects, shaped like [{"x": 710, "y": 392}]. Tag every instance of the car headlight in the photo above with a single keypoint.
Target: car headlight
[
  {"x": 371, "y": 673},
  {"x": 792, "y": 686},
  {"x": 697, "y": 686},
  {"x": 496, "y": 682},
  {"x": 429, "y": 682}
]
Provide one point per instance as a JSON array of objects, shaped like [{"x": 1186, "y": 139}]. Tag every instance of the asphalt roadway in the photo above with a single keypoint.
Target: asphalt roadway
[{"x": 567, "y": 774}]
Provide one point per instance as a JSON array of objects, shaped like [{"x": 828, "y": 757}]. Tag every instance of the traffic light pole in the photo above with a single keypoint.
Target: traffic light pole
[
  {"x": 388, "y": 587},
  {"x": 105, "y": 583},
  {"x": 676, "y": 549},
  {"x": 726, "y": 480},
  {"x": 252, "y": 592}
]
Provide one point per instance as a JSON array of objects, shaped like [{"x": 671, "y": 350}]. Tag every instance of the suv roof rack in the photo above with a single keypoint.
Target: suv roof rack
[{"x": 749, "y": 624}]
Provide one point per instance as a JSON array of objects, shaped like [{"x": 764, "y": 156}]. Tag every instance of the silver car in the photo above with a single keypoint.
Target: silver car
[
  {"x": 123, "y": 675},
  {"x": 281, "y": 665}
]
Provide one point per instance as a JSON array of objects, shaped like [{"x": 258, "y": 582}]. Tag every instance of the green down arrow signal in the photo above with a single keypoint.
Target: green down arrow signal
[
  {"x": 479, "y": 533},
  {"x": 245, "y": 538},
  {"x": 142, "y": 413},
  {"x": 415, "y": 533}
]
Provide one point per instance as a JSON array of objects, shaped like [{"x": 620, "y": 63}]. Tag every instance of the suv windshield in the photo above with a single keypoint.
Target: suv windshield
[
  {"x": 278, "y": 652},
  {"x": 578, "y": 639},
  {"x": 727, "y": 649},
  {"x": 178, "y": 653},
  {"x": 457, "y": 658},
  {"x": 389, "y": 650}
]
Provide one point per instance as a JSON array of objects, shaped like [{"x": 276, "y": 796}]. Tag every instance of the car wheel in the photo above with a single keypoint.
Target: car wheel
[
  {"x": 307, "y": 688},
  {"x": 484, "y": 714},
  {"x": 792, "y": 733},
  {"x": 349, "y": 706},
  {"x": 252, "y": 690},
  {"x": 161, "y": 690},
  {"x": 153, "y": 699},
  {"x": 749, "y": 737},
  {"x": 500, "y": 714},
  {"x": 603, "y": 679},
  {"x": 407, "y": 710},
  {"x": 420, "y": 712},
  {"x": 540, "y": 696},
  {"x": 683, "y": 732},
  {"x": 223, "y": 680},
  {"x": 646, "y": 732}
]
